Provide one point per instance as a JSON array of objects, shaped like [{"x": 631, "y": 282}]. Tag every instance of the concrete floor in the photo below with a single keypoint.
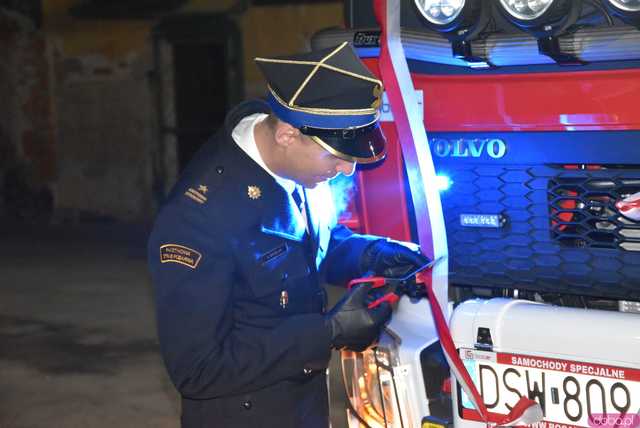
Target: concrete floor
[{"x": 77, "y": 336}]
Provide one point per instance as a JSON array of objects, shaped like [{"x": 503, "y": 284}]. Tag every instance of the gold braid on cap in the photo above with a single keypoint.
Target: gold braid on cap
[
  {"x": 318, "y": 64},
  {"x": 326, "y": 111}
]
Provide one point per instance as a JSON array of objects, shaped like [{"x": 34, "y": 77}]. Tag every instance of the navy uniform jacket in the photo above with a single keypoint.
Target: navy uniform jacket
[{"x": 237, "y": 281}]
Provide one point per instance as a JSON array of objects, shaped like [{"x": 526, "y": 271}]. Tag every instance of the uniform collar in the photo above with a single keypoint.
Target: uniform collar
[
  {"x": 243, "y": 135},
  {"x": 275, "y": 209}
]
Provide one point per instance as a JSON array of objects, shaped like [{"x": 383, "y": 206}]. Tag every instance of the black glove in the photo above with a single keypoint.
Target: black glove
[
  {"x": 353, "y": 325},
  {"x": 391, "y": 259}
]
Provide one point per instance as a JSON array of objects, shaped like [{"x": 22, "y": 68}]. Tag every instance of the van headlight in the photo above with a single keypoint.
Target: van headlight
[{"x": 376, "y": 387}]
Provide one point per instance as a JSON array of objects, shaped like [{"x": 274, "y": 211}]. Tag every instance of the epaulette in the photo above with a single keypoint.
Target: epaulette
[
  {"x": 197, "y": 194},
  {"x": 201, "y": 187}
]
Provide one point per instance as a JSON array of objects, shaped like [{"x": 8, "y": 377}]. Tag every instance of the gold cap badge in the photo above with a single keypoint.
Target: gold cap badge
[
  {"x": 377, "y": 93},
  {"x": 254, "y": 192}
]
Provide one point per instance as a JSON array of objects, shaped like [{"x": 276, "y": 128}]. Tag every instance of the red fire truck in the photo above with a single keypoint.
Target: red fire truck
[{"x": 523, "y": 178}]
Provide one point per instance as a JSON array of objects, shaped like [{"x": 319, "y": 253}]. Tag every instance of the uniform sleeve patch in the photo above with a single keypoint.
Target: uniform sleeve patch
[{"x": 173, "y": 253}]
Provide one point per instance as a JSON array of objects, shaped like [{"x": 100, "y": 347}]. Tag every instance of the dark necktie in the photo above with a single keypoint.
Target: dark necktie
[
  {"x": 297, "y": 197},
  {"x": 300, "y": 199},
  {"x": 300, "y": 203}
]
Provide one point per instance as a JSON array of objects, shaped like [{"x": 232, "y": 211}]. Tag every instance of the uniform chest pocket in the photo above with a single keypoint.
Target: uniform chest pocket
[{"x": 273, "y": 264}]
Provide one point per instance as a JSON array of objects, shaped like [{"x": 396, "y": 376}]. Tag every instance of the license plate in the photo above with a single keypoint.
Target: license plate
[{"x": 571, "y": 393}]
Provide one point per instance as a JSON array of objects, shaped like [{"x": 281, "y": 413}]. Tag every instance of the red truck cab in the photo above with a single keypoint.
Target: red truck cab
[{"x": 534, "y": 132}]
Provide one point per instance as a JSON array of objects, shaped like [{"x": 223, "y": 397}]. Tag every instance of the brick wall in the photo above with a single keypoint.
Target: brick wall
[
  {"x": 105, "y": 131},
  {"x": 78, "y": 107},
  {"x": 27, "y": 152}
]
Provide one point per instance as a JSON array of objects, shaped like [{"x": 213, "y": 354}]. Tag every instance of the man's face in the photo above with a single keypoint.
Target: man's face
[{"x": 310, "y": 164}]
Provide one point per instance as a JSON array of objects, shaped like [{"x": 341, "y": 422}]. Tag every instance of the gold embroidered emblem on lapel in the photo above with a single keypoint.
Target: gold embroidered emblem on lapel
[
  {"x": 197, "y": 195},
  {"x": 174, "y": 253},
  {"x": 284, "y": 299},
  {"x": 254, "y": 192}
]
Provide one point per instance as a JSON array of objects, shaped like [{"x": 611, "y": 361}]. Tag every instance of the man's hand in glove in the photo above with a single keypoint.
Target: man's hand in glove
[
  {"x": 353, "y": 325},
  {"x": 391, "y": 259}
]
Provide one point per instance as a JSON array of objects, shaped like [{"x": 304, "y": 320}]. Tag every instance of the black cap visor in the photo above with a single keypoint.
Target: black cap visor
[{"x": 361, "y": 145}]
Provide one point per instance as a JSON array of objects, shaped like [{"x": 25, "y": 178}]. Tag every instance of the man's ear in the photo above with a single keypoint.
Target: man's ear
[{"x": 285, "y": 133}]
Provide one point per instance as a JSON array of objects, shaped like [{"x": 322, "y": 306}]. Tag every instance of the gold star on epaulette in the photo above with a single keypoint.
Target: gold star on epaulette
[
  {"x": 203, "y": 189},
  {"x": 254, "y": 192}
]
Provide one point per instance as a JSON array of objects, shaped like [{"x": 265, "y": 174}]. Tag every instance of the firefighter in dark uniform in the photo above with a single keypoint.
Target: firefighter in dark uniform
[{"x": 248, "y": 234}]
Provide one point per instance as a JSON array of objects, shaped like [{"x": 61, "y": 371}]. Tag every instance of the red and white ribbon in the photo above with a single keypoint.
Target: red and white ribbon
[
  {"x": 525, "y": 412},
  {"x": 408, "y": 119}
]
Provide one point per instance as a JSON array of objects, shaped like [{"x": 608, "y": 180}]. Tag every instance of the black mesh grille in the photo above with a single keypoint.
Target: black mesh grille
[
  {"x": 562, "y": 234},
  {"x": 583, "y": 212}
]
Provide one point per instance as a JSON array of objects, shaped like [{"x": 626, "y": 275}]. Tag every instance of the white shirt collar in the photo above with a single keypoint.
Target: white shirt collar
[{"x": 244, "y": 137}]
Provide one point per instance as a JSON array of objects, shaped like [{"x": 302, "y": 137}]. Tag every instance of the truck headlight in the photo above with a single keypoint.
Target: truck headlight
[
  {"x": 440, "y": 12},
  {"x": 460, "y": 22},
  {"x": 456, "y": 20},
  {"x": 526, "y": 9},
  {"x": 541, "y": 18},
  {"x": 627, "y": 10},
  {"x": 376, "y": 391},
  {"x": 626, "y": 5}
]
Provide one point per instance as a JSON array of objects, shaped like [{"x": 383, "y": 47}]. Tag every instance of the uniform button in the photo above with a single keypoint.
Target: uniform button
[
  {"x": 284, "y": 299},
  {"x": 284, "y": 276},
  {"x": 219, "y": 169},
  {"x": 247, "y": 405}
]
